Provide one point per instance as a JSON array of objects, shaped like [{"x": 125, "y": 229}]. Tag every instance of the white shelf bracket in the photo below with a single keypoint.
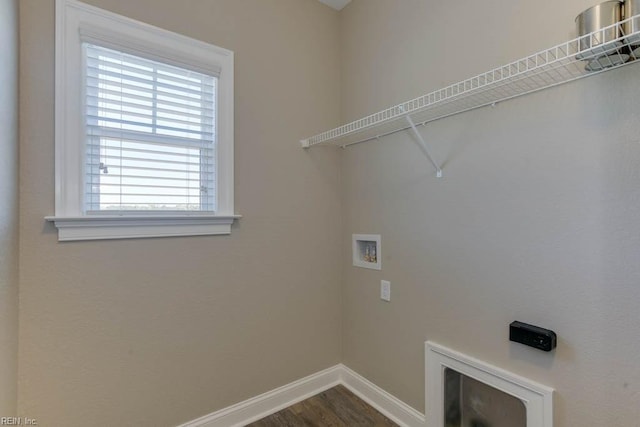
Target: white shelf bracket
[{"x": 424, "y": 146}]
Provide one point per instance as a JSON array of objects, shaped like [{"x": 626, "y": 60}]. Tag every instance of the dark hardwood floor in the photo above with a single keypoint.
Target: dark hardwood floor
[{"x": 336, "y": 407}]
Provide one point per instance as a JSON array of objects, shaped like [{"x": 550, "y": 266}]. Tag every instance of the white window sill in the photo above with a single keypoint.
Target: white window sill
[{"x": 102, "y": 227}]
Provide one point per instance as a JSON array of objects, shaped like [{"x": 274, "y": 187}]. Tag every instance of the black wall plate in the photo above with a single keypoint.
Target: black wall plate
[{"x": 533, "y": 336}]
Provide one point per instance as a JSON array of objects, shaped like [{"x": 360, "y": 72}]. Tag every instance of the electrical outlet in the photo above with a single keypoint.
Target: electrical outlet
[{"x": 385, "y": 290}]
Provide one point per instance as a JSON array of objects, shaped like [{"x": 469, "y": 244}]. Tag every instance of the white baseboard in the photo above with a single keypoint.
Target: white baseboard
[
  {"x": 387, "y": 404},
  {"x": 268, "y": 403}
]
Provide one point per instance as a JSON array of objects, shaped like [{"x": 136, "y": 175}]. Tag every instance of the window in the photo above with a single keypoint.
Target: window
[
  {"x": 150, "y": 135},
  {"x": 144, "y": 129}
]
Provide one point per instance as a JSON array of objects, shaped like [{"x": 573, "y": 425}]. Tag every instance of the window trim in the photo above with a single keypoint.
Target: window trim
[{"x": 75, "y": 19}]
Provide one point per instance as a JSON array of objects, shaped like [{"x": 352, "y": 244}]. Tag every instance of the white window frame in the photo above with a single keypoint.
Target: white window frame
[{"x": 74, "y": 18}]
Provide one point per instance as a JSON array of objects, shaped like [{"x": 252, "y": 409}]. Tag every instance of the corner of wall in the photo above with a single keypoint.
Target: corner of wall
[{"x": 9, "y": 207}]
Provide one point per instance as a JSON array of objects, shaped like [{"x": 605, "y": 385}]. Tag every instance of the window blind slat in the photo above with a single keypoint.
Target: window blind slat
[
  {"x": 97, "y": 134},
  {"x": 141, "y": 168},
  {"x": 107, "y": 55},
  {"x": 150, "y": 124},
  {"x": 158, "y": 154},
  {"x": 127, "y": 86},
  {"x": 133, "y": 190},
  {"x": 122, "y": 160},
  {"x": 150, "y": 198},
  {"x": 99, "y": 72},
  {"x": 184, "y": 119},
  {"x": 92, "y": 36},
  {"x": 136, "y": 182},
  {"x": 132, "y": 178},
  {"x": 116, "y": 90},
  {"x": 131, "y": 64},
  {"x": 129, "y": 99}
]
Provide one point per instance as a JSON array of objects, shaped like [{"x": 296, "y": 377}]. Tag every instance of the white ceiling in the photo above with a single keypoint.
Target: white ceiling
[{"x": 336, "y": 4}]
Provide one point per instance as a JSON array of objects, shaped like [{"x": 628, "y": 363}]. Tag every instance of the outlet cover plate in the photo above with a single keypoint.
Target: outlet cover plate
[{"x": 385, "y": 290}]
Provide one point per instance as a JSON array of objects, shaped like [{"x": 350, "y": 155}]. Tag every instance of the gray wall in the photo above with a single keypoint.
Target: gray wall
[
  {"x": 160, "y": 331},
  {"x": 536, "y": 218},
  {"x": 8, "y": 206}
]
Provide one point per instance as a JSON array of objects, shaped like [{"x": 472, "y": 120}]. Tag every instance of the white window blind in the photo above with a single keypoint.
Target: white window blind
[{"x": 150, "y": 135}]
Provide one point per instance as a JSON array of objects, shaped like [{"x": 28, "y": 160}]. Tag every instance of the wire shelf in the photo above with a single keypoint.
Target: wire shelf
[{"x": 584, "y": 56}]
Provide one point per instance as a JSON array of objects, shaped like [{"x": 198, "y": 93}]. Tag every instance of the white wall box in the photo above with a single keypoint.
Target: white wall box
[
  {"x": 537, "y": 398},
  {"x": 367, "y": 251}
]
